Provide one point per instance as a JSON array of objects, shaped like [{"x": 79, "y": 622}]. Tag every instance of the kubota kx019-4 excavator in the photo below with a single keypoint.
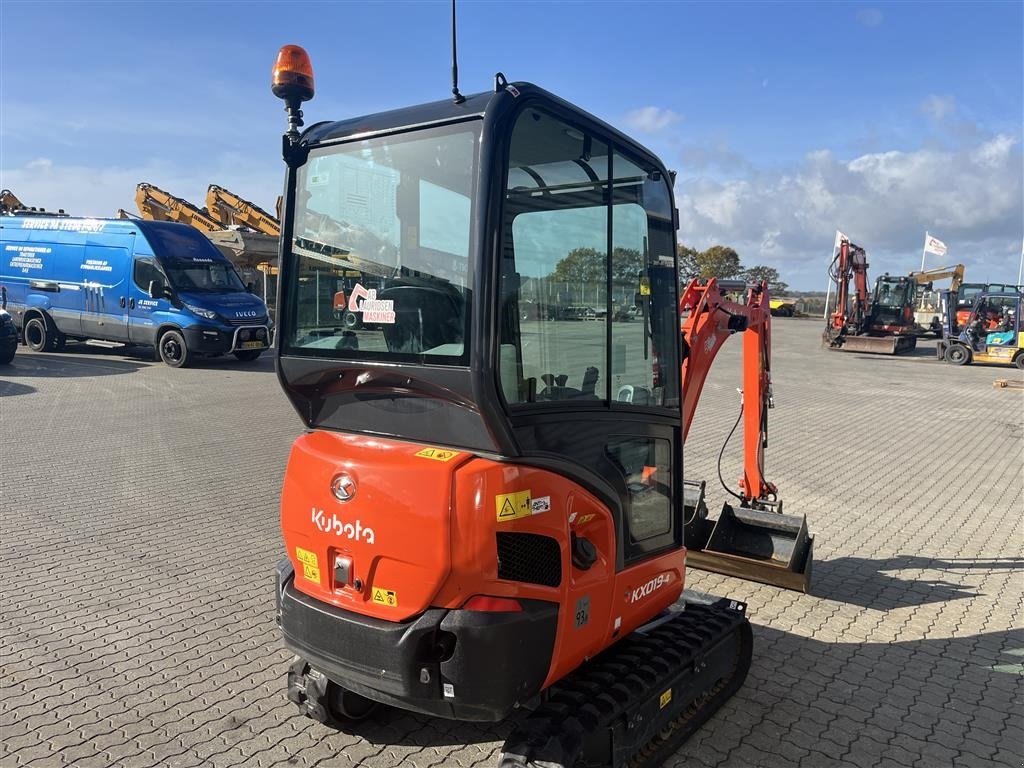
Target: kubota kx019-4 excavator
[
  {"x": 883, "y": 324},
  {"x": 488, "y": 510}
]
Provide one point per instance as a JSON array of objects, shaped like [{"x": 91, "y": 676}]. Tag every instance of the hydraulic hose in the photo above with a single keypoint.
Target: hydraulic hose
[{"x": 722, "y": 453}]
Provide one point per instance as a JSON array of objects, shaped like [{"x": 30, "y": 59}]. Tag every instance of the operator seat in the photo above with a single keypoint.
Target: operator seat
[{"x": 425, "y": 318}]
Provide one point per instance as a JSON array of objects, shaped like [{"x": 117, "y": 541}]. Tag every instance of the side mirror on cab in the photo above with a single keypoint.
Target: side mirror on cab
[{"x": 249, "y": 287}]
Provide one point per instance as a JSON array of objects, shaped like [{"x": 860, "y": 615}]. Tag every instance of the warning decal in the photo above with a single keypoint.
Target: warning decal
[
  {"x": 384, "y": 596},
  {"x": 510, "y": 506},
  {"x": 437, "y": 454},
  {"x": 665, "y": 698},
  {"x": 310, "y": 565}
]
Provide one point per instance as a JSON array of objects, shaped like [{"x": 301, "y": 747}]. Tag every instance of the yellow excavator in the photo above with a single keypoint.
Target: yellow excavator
[
  {"x": 231, "y": 210},
  {"x": 10, "y": 204},
  {"x": 247, "y": 249},
  {"x": 928, "y": 309}
]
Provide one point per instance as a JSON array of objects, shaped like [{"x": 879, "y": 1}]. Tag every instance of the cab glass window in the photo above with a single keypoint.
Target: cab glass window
[
  {"x": 588, "y": 273},
  {"x": 381, "y": 248}
]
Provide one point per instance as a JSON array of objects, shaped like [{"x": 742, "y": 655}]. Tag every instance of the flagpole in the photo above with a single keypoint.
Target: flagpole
[
  {"x": 924, "y": 250},
  {"x": 828, "y": 291},
  {"x": 1020, "y": 269}
]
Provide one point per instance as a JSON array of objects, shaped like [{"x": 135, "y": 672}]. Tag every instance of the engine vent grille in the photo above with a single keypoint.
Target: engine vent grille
[{"x": 530, "y": 558}]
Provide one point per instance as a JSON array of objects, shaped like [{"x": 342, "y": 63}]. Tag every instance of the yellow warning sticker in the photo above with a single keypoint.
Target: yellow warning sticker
[
  {"x": 306, "y": 557},
  {"x": 384, "y": 596},
  {"x": 437, "y": 454},
  {"x": 665, "y": 698},
  {"x": 510, "y": 506},
  {"x": 310, "y": 565},
  {"x": 645, "y": 286}
]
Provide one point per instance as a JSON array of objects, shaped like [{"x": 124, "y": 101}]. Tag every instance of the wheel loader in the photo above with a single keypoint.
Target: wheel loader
[{"x": 487, "y": 514}]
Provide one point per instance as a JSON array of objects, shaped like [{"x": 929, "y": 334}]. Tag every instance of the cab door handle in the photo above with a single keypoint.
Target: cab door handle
[{"x": 122, "y": 302}]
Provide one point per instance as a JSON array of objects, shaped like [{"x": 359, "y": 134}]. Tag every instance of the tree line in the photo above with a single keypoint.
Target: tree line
[
  {"x": 587, "y": 265},
  {"x": 723, "y": 262}
]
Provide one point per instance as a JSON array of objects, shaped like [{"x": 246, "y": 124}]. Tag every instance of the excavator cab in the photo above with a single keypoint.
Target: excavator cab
[{"x": 489, "y": 502}]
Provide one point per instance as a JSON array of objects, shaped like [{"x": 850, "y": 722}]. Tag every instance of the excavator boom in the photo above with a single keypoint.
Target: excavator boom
[
  {"x": 229, "y": 209},
  {"x": 157, "y": 205},
  {"x": 754, "y": 540}
]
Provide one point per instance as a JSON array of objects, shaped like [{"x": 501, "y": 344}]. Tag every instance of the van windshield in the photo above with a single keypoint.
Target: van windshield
[{"x": 197, "y": 276}]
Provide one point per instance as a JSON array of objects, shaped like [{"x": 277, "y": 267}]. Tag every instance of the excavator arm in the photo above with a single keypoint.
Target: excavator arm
[
  {"x": 230, "y": 209},
  {"x": 9, "y": 202},
  {"x": 753, "y": 540},
  {"x": 956, "y": 272},
  {"x": 156, "y": 205},
  {"x": 709, "y": 319}
]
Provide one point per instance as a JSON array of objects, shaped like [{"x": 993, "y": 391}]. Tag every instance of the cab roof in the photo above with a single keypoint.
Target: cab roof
[{"x": 446, "y": 110}]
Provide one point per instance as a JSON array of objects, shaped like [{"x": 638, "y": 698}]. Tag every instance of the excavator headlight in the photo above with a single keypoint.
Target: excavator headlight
[{"x": 293, "y": 74}]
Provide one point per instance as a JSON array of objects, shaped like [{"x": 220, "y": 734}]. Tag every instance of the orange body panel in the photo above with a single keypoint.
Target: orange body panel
[{"x": 433, "y": 521}]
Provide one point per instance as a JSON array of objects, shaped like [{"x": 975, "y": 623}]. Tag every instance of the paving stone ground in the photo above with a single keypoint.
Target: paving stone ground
[{"x": 138, "y": 532}]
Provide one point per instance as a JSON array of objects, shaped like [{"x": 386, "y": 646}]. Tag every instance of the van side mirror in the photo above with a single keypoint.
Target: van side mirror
[{"x": 249, "y": 287}]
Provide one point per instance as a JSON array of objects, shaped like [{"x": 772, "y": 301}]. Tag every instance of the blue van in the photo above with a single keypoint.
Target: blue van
[{"x": 151, "y": 283}]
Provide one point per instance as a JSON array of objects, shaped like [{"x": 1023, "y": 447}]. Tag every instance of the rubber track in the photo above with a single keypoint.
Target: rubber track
[{"x": 576, "y": 719}]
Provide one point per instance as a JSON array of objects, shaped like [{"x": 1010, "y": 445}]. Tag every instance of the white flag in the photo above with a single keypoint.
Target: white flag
[{"x": 934, "y": 245}]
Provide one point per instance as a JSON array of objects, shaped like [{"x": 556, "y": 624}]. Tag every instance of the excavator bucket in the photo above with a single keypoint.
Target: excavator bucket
[
  {"x": 758, "y": 545},
  {"x": 878, "y": 345}
]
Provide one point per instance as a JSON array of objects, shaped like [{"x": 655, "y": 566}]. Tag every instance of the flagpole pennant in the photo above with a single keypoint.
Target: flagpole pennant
[{"x": 934, "y": 245}]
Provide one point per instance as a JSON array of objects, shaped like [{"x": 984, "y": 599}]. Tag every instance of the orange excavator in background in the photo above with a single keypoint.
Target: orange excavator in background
[
  {"x": 487, "y": 510},
  {"x": 882, "y": 323},
  {"x": 231, "y": 210}
]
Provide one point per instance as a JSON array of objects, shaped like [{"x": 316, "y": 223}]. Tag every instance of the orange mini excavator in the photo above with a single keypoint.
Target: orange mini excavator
[{"x": 488, "y": 510}]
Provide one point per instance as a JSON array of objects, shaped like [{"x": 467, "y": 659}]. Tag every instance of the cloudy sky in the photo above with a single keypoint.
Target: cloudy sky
[{"x": 785, "y": 122}]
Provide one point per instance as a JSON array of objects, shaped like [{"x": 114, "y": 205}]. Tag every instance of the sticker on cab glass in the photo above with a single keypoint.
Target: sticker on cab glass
[
  {"x": 437, "y": 454},
  {"x": 384, "y": 596},
  {"x": 511, "y": 506},
  {"x": 310, "y": 564}
]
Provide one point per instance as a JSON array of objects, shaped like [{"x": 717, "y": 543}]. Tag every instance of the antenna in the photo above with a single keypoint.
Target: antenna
[{"x": 459, "y": 98}]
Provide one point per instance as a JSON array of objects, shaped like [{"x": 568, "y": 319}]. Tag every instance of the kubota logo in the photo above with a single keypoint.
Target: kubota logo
[
  {"x": 354, "y": 530},
  {"x": 649, "y": 587}
]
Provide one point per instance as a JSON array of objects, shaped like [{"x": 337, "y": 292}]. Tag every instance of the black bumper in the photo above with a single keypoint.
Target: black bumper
[
  {"x": 214, "y": 341},
  {"x": 463, "y": 665}
]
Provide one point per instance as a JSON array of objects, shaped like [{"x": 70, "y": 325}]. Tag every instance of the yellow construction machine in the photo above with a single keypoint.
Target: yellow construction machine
[{"x": 928, "y": 305}]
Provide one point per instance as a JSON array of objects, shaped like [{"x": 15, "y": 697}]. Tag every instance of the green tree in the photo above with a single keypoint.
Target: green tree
[
  {"x": 581, "y": 265},
  {"x": 687, "y": 260},
  {"x": 719, "y": 261},
  {"x": 627, "y": 264},
  {"x": 769, "y": 274}
]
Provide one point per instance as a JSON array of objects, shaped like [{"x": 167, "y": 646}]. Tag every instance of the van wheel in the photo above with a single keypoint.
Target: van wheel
[
  {"x": 40, "y": 337},
  {"x": 248, "y": 355},
  {"x": 173, "y": 350}
]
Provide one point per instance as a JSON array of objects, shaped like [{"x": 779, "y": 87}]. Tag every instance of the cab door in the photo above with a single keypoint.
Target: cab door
[{"x": 142, "y": 324}]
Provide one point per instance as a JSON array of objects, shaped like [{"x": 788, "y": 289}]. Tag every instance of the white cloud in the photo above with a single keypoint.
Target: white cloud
[
  {"x": 970, "y": 197},
  {"x": 869, "y": 17},
  {"x": 651, "y": 119},
  {"x": 938, "y": 106}
]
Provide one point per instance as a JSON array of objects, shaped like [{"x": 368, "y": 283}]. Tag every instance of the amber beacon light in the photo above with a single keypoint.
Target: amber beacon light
[{"x": 293, "y": 74}]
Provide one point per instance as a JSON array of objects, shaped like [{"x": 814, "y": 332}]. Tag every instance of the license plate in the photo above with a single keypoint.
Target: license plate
[{"x": 252, "y": 345}]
